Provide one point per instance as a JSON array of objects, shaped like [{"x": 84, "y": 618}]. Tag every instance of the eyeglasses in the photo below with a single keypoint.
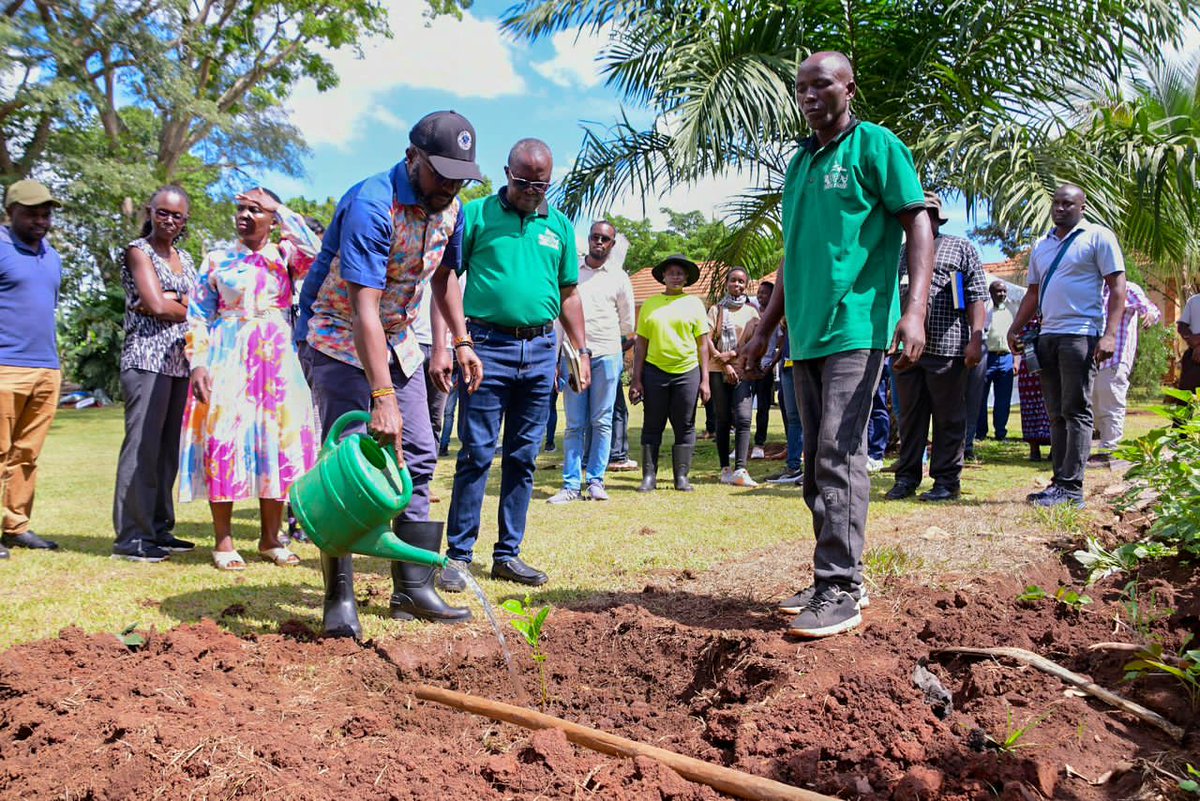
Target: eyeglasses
[
  {"x": 524, "y": 184},
  {"x": 601, "y": 238},
  {"x": 164, "y": 214}
]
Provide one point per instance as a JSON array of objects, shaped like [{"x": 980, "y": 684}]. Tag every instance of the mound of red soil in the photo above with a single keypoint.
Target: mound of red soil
[{"x": 199, "y": 713}]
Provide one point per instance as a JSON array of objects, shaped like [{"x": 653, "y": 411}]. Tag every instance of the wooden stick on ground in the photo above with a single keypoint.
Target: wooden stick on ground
[
  {"x": 727, "y": 780},
  {"x": 1075, "y": 680}
]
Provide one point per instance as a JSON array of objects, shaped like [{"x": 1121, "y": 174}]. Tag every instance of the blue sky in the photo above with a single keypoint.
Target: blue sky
[{"x": 507, "y": 90}]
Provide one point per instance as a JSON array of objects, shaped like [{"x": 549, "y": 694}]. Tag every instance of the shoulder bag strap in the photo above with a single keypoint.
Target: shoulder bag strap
[{"x": 1062, "y": 251}]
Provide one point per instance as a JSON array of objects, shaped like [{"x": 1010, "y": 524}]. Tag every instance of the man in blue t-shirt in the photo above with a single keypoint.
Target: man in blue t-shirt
[
  {"x": 1068, "y": 270},
  {"x": 30, "y": 276}
]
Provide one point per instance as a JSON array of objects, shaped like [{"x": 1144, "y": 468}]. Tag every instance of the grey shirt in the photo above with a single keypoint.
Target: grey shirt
[{"x": 1073, "y": 300}]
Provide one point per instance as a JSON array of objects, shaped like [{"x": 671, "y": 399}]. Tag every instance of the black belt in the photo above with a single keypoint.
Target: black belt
[{"x": 519, "y": 332}]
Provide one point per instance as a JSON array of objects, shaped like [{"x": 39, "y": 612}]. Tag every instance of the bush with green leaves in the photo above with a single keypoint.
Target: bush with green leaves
[
  {"x": 90, "y": 336},
  {"x": 1151, "y": 362},
  {"x": 1167, "y": 462}
]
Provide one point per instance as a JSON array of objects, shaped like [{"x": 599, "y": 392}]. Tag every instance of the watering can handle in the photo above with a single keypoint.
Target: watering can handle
[{"x": 340, "y": 425}]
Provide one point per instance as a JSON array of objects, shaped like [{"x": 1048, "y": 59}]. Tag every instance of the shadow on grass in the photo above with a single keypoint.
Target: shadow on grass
[
  {"x": 100, "y": 543},
  {"x": 250, "y": 609}
]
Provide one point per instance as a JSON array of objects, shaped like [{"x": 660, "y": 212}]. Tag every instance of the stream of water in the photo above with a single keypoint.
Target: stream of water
[{"x": 518, "y": 688}]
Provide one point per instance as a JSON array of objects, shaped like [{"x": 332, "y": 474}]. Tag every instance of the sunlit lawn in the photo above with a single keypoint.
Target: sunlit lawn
[{"x": 585, "y": 547}]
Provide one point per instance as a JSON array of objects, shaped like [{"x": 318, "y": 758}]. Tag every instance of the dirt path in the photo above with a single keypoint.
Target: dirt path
[{"x": 696, "y": 664}]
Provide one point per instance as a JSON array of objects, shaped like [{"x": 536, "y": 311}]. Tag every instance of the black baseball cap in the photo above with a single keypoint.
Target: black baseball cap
[{"x": 449, "y": 141}]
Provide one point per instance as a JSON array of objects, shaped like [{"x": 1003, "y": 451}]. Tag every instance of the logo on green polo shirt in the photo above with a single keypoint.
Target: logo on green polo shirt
[
  {"x": 549, "y": 239},
  {"x": 837, "y": 177}
]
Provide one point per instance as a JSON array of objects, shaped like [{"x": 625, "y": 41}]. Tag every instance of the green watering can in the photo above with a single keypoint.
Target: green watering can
[{"x": 347, "y": 501}]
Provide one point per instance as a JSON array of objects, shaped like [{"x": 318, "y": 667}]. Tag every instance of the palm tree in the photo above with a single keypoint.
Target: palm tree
[{"x": 718, "y": 76}]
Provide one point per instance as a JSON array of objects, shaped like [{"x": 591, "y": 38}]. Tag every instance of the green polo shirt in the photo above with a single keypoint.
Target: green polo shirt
[
  {"x": 842, "y": 240},
  {"x": 515, "y": 265}
]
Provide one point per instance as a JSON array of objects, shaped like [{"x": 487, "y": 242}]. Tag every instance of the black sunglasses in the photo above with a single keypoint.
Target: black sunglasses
[
  {"x": 524, "y": 184},
  {"x": 601, "y": 238}
]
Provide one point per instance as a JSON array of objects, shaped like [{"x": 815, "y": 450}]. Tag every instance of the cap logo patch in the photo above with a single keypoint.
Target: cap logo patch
[{"x": 464, "y": 140}]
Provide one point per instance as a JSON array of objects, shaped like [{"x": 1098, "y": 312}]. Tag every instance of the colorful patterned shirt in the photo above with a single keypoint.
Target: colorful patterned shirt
[
  {"x": 381, "y": 238},
  {"x": 1136, "y": 304}
]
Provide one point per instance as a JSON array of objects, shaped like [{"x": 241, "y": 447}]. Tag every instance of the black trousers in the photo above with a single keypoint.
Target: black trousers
[
  {"x": 669, "y": 396},
  {"x": 764, "y": 393},
  {"x": 144, "y": 500},
  {"x": 732, "y": 407},
  {"x": 935, "y": 388},
  {"x": 1068, "y": 370},
  {"x": 435, "y": 397}
]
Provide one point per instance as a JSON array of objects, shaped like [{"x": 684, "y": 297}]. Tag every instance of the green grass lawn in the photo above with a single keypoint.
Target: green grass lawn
[{"x": 585, "y": 547}]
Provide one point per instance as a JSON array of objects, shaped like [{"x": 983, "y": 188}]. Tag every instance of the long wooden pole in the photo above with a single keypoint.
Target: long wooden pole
[{"x": 727, "y": 780}]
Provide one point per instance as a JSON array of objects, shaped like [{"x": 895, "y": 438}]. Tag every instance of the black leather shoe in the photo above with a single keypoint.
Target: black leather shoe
[
  {"x": 516, "y": 570},
  {"x": 28, "y": 540},
  {"x": 940, "y": 493},
  {"x": 899, "y": 491},
  {"x": 176, "y": 545}
]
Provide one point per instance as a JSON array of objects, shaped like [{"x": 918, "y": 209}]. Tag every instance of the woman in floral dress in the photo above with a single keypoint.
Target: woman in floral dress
[{"x": 248, "y": 431}]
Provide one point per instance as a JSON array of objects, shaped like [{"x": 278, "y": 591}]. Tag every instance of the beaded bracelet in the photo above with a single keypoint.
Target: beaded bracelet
[{"x": 382, "y": 392}]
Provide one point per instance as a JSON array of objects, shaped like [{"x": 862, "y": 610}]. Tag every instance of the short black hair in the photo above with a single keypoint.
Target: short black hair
[{"x": 315, "y": 225}]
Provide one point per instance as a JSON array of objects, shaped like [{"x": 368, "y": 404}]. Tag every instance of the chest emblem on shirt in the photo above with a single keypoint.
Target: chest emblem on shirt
[
  {"x": 838, "y": 177},
  {"x": 549, "y": 239}
]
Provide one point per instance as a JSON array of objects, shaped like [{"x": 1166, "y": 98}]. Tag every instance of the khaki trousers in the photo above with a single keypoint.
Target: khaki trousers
[{"x": 28, "y": 401}]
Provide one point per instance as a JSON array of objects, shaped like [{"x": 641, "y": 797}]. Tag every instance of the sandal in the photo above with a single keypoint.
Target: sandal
[
  {"x": 228, "y": 560},
  {"x": 281, "y": 556}
]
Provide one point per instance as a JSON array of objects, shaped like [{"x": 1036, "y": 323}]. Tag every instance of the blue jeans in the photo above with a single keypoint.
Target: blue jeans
[
  {"x": 1000, "y": 377},
  {"x": 879, "y": 430},
  {"x": 448, "y": 413},
  {"x": 518, "y": 375},
  {"x": 791, "y": 417},
  {"x": 589, "y": 418}
]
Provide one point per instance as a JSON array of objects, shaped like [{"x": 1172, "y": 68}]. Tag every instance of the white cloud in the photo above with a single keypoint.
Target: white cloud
[
  {"x": 708, "y": 196},
  {"x": 574, "y": 63},
  {"x": 465, "y": 58}
]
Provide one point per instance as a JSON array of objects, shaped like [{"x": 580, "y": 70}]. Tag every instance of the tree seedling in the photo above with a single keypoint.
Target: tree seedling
[
  {"x": 530, "y": 621},
  {"x": 1033, "y": 593},
  {"x": 1184, "y": 668},
  {"x": 1012, "y": 739},
  {"x": 1190, "y": 784},
  {"x": 130, "y": 638},
  {"x": 1071, "y": 599}
]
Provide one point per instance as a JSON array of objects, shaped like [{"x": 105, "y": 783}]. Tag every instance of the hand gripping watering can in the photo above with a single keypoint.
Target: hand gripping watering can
[{"x": 347, "y": 501}]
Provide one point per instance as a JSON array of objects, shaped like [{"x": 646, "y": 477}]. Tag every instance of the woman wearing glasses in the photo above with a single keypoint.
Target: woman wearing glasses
[
  {"x": 157, "y": 277},
  {"x": 249, "y": 430}
]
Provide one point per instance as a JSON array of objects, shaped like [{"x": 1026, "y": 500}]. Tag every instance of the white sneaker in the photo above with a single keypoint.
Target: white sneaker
[
  {"x": 757, "y": 453},
  {"x": 874, "y": 465},
  {"x": 741, "y": 478},
  {"x": 726, "y": 475}
]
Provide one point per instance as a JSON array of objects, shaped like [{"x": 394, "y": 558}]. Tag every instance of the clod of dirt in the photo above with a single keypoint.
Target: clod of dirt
[
  {"x": 297, "y": 630},
  {"x": 919, "y": 783},
  {"x": 936, "y": 695}
]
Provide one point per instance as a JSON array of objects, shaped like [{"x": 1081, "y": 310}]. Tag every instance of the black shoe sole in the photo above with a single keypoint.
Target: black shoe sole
[
  {"x": 528, "y": 582},
  {"x": 406, "y": 613},
  {"x": 139, "y": 558}
]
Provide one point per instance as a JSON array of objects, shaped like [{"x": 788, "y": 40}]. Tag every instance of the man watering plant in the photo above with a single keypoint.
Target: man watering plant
[{"x": 391, "y": 235}]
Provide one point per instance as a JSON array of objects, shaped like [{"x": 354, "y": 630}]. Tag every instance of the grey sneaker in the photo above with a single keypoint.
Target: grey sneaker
[
  {"x": 450, "y": 579},
  {"x": 565, "y": 495},
  {"x": 832, "y": 610},
  {"x": 596, "y": 491},
  {"x": 787, "y": 477},
  {"x": 795, "y": 605},
  {"x": 1057, "y": 496}
]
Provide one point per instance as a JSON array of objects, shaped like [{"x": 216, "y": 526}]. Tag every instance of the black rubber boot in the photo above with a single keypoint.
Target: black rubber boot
[
  {"x": 681, "y": 462},
  {"x": 341, "y": 609},
  {"x": 649, "y": 469},
  {"x": 413, "y": 593}
]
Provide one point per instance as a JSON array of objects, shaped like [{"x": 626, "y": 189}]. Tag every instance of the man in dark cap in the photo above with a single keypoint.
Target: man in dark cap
[
  {"x": 30, "y": 275},
  {"x": 392, "y": 237}
]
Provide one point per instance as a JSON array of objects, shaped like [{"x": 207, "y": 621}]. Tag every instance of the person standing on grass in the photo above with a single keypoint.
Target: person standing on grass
[
  {"x": 851, "y": 195},
  {"x": 668, "y": 369},
  {"x": 607, "y": 297},
  {"x": 1068, "y": 270},
  {"x": 522, "y": 271},
  {"x": 30, "y": 377},
  {"x": 793, "y": 472},
  {"x": 764, "y": 386},
  {"x": 618, "y": 457},
  {"x": 1112, "y": 376},
  {"x": 157, "y": 277},
  {"x": 998, "y": 377},
  {"x": 1188, "y": 326},
  {"x": 394, "y": 240},
  {"x": 936, "y": 386},
  {"x": 730, "y": 321},
  {"x": 879, "y": 428}
]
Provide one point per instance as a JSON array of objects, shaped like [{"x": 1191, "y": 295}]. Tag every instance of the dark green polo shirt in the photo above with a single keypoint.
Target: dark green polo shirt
[
  {"x": 515, "y": 265},
  {"x": 842, "y": 240}
]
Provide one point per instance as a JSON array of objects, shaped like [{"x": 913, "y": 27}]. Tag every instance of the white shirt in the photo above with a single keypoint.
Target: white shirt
[
  {"x": 1072, "y": 302},
  {"x": 607, "y": 298}
]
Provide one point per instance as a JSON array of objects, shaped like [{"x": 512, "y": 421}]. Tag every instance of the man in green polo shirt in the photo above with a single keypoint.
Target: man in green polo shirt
[
  {"x": 521, "y": 267},
  {"x": 850, "y": 196}
]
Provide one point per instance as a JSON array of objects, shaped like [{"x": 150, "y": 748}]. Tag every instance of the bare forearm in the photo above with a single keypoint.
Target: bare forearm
[
  {"x": 1026, "y": 310},
  {"x": 572, "y": 317},
  {"x": 1116, "y": 304},
  {"x": 639, "y": 357},
  {"x": 773, "y": 314},
  {"x": 447, "y": 312}
]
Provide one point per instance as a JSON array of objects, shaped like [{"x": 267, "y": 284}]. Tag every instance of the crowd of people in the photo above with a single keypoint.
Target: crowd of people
[{"x": 413, "y": 307}]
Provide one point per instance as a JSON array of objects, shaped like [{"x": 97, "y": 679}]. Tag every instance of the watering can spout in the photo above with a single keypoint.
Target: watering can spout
[{"x": 382, "y": 542}]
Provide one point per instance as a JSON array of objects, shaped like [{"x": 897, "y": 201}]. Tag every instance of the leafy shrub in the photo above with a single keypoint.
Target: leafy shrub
[
  {"x": 1151, "y": 363},
  {"x": 90, "y": 336}
]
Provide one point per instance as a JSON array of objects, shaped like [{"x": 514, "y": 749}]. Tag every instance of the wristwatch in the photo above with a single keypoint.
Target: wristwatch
[{"x": 585, "y": 352}]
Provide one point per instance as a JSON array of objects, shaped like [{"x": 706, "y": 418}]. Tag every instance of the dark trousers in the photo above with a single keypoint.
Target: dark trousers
[
  {"x": 732, "y": 407},
  {"x": 552, "y": 419},
  {"x": 619, "y": 452},
  {"x": 144, "y": 500},
  {"x": 999, "y": 378},
  {"x": 879, "y": 430},
  {"x": 339, "y": 387},
  {"x": 1068, "y": 369},
  {"x": 518, "y": 376},
  {"x": 435, "y": 398},
  {"x": 935, "y": 388},
  {"x": 834, "y": 394},
  {"x": 669, "y": 396},
  {"x": 976, "y": 396},
  {"x": 764, "y": 393}
]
